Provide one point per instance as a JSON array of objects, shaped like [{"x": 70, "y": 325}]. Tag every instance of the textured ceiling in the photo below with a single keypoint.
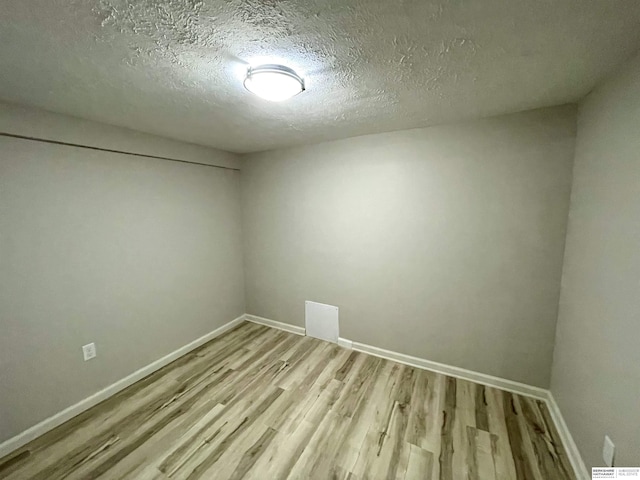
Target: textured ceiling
[{"x": 174, "y": 68}]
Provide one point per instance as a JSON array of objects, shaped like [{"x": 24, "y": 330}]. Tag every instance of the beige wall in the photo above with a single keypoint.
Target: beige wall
[
  {"x": 596, "y": 369},
  {"x": 444, "y": 243},
  {"x": 140, "y": 256},
  {"x": 33, "y": 122}
]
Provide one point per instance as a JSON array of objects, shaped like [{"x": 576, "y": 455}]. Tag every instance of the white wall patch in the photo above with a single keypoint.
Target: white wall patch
[{"x": 322, "y": 321}]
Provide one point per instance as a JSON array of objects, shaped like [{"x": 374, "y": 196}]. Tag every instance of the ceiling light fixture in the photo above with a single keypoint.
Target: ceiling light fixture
[{"x": 273, "y": 82}]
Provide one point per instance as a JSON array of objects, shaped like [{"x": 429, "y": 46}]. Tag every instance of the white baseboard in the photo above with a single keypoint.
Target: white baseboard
[
  {"x": 343, "y": 342},
  {"x": 457, "y": 372},
  {"x": 59, "y": 418},
  {"x": 274, "y": 324},
  {"x": 570, "y": 446}
]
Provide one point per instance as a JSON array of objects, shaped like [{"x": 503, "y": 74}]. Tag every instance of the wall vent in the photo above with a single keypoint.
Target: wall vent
[{"x": 322, "y": 321}]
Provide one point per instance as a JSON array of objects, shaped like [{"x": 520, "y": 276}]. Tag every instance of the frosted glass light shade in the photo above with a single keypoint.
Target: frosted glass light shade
[{"x": 273, "y": 82}]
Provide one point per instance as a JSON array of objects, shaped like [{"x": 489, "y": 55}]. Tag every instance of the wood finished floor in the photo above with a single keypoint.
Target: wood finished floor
[{"x": 259, "y": 403}]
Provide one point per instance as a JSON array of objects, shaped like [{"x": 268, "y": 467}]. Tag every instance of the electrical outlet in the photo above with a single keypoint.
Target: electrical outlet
[
  {"x": 89, "y": 351},
  {"x": 608, "y": 451}
]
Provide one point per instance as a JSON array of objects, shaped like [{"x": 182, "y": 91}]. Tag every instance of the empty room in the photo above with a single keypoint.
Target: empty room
[{"x": 319, "y": 239}]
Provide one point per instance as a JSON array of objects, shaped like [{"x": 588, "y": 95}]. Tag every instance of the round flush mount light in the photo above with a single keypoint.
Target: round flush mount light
[{"x": 273, "y": 82}]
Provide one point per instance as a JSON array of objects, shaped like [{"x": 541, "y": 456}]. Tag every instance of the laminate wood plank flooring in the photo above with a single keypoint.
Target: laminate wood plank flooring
[{"x": 259, "y": 403}]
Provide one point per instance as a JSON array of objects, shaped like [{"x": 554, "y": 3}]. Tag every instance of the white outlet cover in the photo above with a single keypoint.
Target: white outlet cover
[
  {"x": 608, "y": 451},
  {"x": 89, "y": 351}
]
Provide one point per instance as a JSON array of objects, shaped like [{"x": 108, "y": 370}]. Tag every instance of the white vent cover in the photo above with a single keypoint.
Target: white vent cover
[{"x": 321, "y": 321}]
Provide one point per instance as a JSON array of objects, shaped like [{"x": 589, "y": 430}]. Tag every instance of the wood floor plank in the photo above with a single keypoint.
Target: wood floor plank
[
  {"x": 355, "y": 435},
  {"x": 465, "y": 416},
  {"x": 481, "y": 454},
  {"x": 431, "y": 441},
  {"x": 419, "y": 410},
  {"x": 145, "y": 460},
  {"x": 229, "y": 456},
  {"x": 447, "y": 440},
  {"x": 315, "y": 460},
  {"x": 279, "y": 461},
  {"x": 420, "y": 465},
  {"x": 208, "y": 456},
  {"x": 231, "y": 421},
  {"x": 542, "y": 442},
  {"x": 250, "y": 457},
  {"x": 505, "y": 466},
  {"x": 142, "y": 472},
  {"x": 180, "y": 446},
  {"x": 482, "y": 416},
  {"x": 382, "y": 421},
  {"x": 315, "y": 356},
  {"x": 294, "y": 405},
  {"x": 357, "y": 387},
  {"x": 521, "y": 448},
  {"x": 560, "y": 452},
  {"x": 393, "y": 454},
  {"x": 258, "y": 403}
]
